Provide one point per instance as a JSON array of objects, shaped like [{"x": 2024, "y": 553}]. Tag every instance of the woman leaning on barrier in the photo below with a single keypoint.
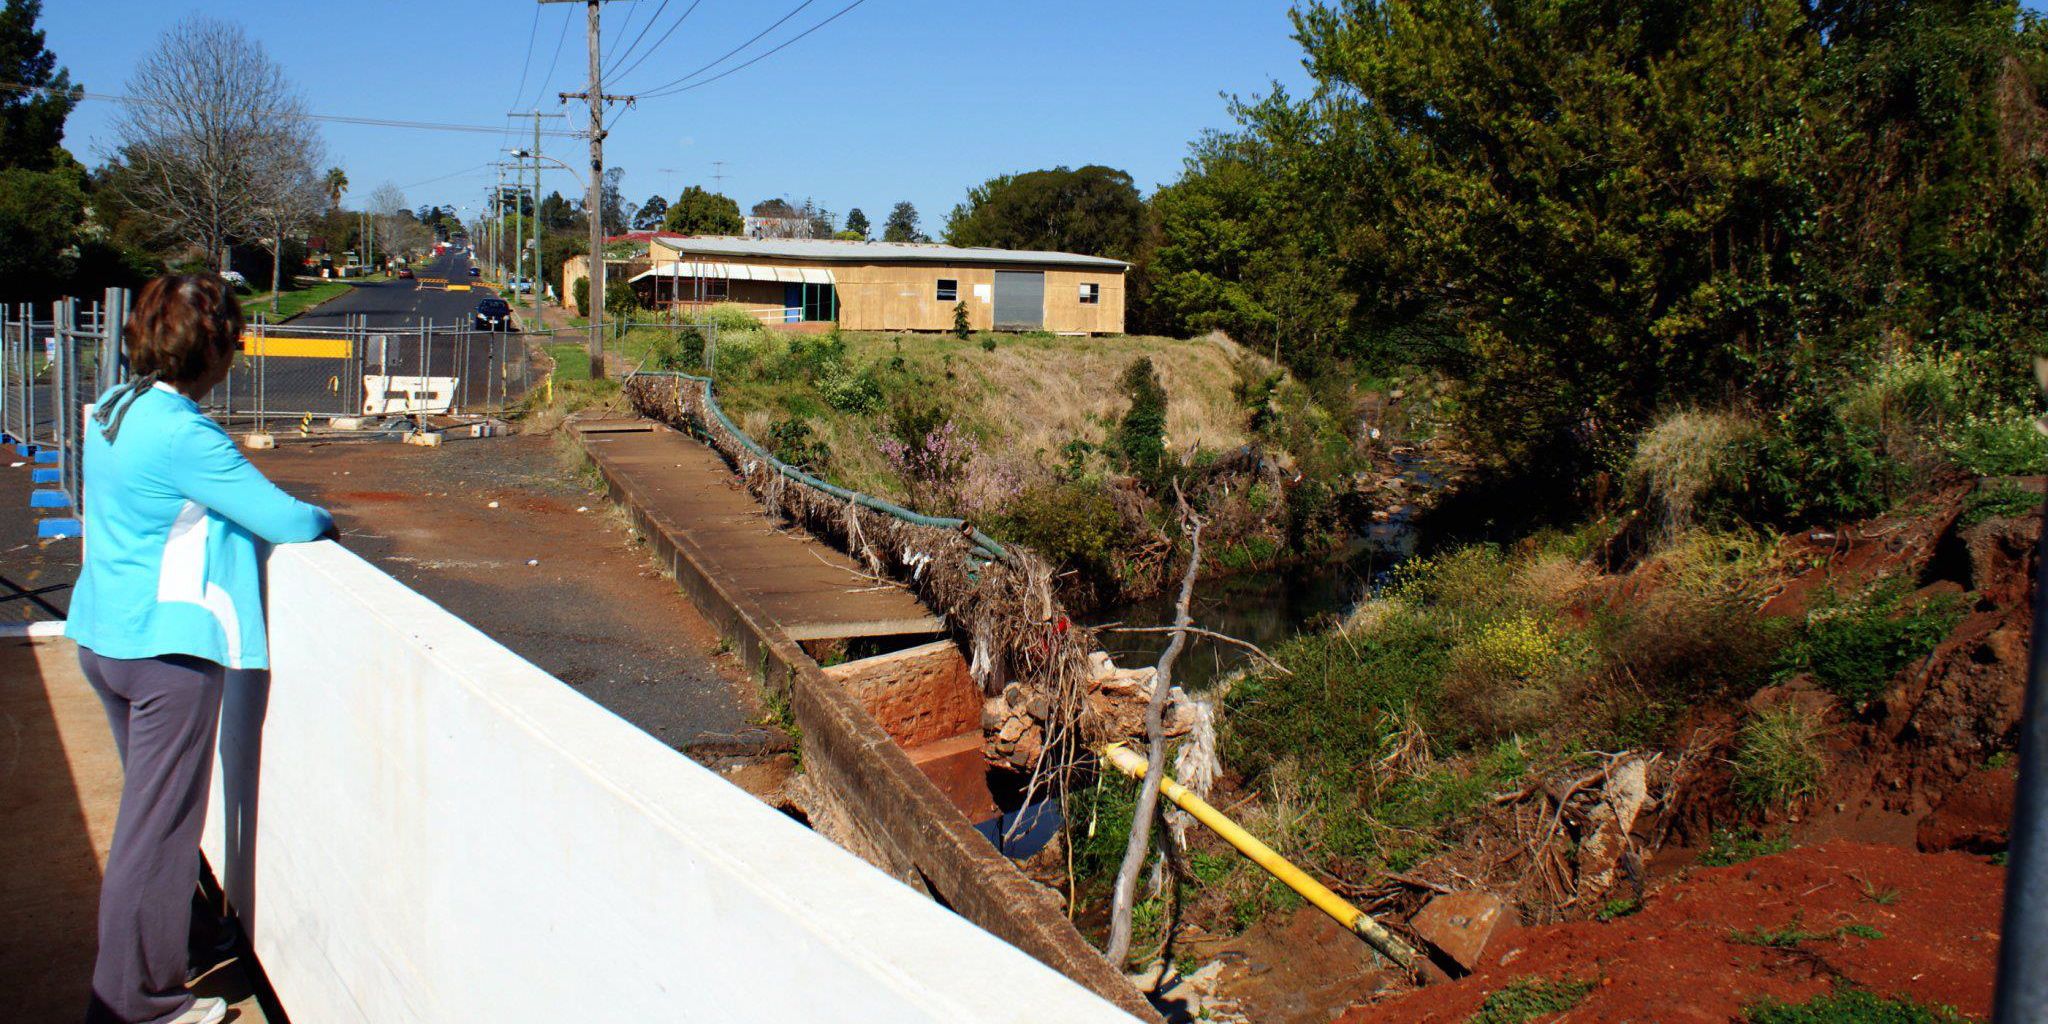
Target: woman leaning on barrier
[{"x": 168, "y": 598}]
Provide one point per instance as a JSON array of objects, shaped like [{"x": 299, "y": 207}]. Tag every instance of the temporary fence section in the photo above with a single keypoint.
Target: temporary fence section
[
  {"x": 300, "y": 373},
  {"x": 56, "y": 358},
  {"x": 50, "y": 370}
]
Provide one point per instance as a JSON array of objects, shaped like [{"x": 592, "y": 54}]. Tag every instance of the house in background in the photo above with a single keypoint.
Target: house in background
[{"x": 884, "y": 286}]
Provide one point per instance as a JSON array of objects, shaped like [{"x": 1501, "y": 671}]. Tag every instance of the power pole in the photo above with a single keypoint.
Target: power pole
[
  {"x": 594, "y": 202},
  {"x": 539, "y": 274}
]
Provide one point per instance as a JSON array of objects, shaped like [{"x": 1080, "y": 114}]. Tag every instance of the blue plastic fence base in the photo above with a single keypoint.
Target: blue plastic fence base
[
  {"x": 24, "y": 450},
  {"x": 49, "y": 456},
  {"x": 46, "y": 475},
  {"x": 49, "y": 499},
  {"x": 57, "y": 527}
]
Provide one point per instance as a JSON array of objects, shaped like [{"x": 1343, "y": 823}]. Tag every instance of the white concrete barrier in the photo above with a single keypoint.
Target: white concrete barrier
[{"x": 419, "y": 825}]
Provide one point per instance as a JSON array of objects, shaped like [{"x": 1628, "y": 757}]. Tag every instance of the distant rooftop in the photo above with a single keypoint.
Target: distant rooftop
[{"x": 836, "y": 250}]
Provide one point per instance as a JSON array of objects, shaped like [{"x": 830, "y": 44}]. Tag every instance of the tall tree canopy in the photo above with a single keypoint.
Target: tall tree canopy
[
  {"x": 902, "y": 225},
  {"x": 32, "y": 118},
  {"x": 1092, "y": 210},
  {"x": 857, "y": 222},
  {"x": 699, "y": 211},
  {"x": 1584, "y": 213},
  {"x": 651, "y": 214}
]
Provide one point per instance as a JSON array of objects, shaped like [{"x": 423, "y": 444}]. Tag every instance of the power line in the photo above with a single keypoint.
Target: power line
[
  {"x": 636, "y": 39},
  {"x": 736, "y": 49},
  {"x": 623, "y": 29},
  {"x": 377, "y": 122},
  {"x": 526, "y": 66},
  {"x": 629, "y": 69},
  {"x": 568, "y": 19},
  {"x": 445, "y": 177},
  {"x": 756, "y": 60}
]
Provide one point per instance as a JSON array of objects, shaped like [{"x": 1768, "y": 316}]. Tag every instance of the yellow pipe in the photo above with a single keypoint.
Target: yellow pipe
[{"x": 1357, "y": 921}]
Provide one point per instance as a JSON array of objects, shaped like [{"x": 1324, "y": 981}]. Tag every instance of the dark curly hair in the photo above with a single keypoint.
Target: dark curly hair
[{"x": 183, "y": 326}]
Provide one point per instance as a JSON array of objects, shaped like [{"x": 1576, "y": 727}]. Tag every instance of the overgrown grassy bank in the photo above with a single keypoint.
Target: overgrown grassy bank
[{"x": 1073, "y": 446}]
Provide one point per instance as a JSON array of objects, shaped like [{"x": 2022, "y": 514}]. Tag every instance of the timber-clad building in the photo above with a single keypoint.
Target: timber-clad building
[{"x": 884, "y": 286}]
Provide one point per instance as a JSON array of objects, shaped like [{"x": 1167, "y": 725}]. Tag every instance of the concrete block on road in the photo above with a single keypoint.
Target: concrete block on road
[
  {"x": 424, "y": 438},
  {"x": 259, "y": 442},
  {"x": 345, "y": 423}
]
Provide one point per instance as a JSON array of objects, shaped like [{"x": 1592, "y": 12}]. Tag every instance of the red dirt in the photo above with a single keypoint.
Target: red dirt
[{"x": 1678, "y": 960}]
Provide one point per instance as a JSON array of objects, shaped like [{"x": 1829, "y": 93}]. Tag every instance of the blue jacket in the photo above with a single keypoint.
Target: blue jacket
[{"x": 176, "y": 526}]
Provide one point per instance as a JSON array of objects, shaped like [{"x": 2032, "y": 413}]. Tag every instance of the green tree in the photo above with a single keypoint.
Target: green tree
[
  {"x": 40, "y": 216},
  {"x": 1092, "y": 210},
  {"x": 31, "y": 117},
  {"x": 336, "y": 183},
  {"x": 1584, "y": 214},
  {"x": 857, "y": 223},
  {"x": 701, "y": 212},
  {"x": 902, "y": 225},
  {"x": 651, "y": 214}
]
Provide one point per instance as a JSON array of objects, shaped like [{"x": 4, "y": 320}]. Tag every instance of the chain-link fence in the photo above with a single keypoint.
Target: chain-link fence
[
  {"x": 55, "y": 359},
  {"x": 356, "y": 369}
]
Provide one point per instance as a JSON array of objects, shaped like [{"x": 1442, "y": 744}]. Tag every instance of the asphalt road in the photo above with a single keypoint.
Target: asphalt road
[{"x": 404, "y": 303}]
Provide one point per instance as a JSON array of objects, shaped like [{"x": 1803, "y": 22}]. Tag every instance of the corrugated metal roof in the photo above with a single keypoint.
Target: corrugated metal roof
[
  {"x": 740, "y": 272},
  {"x": 836, "y": 251}
]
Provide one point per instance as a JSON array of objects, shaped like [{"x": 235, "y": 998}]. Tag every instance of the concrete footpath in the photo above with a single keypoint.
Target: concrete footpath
[{"x": 60, "y": 788}]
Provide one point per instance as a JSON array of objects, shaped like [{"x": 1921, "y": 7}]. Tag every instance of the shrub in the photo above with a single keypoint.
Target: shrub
[
  {"x": 960, "y": 328},
  {"x": 731, "y": 316},
  {"x": 793, "y": 442},
  {"x": 1691, "y": 459},
  {"x": 1855, "y": 647},
  {"x": 2003, "y": 442},
  {"x": 619, "y": 300},
  {"x": 1141, "y": 434},
  {"x": 678, "y": 350},
  {"x": 846, "y": 391},
  {"x": 932, "y": 455},
  {"x": 1999, "y": 502},
  {"x": 1070, "y": 524},
  {"x": 1778, "y": 758},
  {"x": 582, "y": 294}
]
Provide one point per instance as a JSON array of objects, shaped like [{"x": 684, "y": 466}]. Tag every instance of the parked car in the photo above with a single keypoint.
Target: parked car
[
  {"x": 493, "y": 314},
  {"x": 405, "y": 273},
  {"x": 474, "y": 272},
  {"x": 520, "y": 285},
  {"x": 234, "y": 278}
]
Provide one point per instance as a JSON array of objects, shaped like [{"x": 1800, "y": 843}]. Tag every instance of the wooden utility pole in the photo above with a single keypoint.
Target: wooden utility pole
[
  {"x": 594, "y": 200},
  {"x": 539, "y": 273}
]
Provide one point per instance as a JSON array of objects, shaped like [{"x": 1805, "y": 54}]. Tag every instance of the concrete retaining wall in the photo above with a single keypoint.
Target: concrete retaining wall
[
  {"x": 418, "y": 825},
  {"x": 899, "y": 818}
]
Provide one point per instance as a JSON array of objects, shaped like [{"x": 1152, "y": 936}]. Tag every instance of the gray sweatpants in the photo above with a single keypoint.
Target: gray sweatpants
[{"x": 164, "y": 712}]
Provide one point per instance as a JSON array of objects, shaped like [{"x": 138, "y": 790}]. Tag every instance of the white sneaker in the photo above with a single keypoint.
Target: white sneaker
[{"x": 204, "y": 1011}]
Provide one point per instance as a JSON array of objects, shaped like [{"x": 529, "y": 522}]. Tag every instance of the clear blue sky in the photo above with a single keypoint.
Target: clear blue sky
[{"x": 898, "y": 99}]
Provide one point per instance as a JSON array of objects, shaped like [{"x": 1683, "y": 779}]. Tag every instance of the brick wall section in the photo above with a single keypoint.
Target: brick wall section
[{"x": 858, "y": 765}]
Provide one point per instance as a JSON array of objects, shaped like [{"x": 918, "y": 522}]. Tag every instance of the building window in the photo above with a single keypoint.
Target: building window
[
  {"x": 1091, "y": 294},
  {"x": 949, "y": 290}
]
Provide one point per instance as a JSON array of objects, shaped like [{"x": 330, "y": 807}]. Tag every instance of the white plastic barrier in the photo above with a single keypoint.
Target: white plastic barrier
[
  {"x": 385, "y": 395},
  {"x": 419, "y": 825}
]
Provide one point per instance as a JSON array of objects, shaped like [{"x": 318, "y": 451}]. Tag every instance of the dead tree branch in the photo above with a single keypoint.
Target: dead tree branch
[
  {"x": 1211, "y": 634},
  {"x": 1147, "y": 809}
]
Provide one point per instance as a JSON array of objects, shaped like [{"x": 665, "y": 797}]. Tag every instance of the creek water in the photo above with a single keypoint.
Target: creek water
[{"x": 1271, "y": 605}]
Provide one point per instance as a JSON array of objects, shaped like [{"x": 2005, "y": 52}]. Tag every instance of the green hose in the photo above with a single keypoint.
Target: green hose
[{"x": 982, "y": 542}]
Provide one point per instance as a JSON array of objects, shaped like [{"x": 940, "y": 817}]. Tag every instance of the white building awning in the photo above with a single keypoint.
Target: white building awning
[{"x": 738, "y": 272}]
